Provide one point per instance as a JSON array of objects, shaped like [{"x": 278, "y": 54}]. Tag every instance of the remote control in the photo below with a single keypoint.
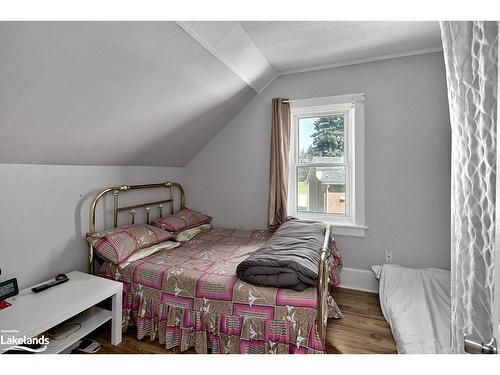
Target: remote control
[{"x": 59, "y": 280}]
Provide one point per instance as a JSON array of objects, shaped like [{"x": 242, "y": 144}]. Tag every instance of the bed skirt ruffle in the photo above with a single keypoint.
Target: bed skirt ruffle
[{"x": 216, "y": 332}]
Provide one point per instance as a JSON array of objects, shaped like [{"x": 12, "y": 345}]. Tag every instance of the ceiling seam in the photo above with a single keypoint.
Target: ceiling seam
[{"x": 227, "y": 63}]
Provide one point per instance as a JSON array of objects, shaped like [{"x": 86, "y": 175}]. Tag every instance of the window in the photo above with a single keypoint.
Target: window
[{"x": 327, "y": 162}]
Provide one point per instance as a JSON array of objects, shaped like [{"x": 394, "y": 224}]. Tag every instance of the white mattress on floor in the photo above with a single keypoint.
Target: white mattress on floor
[{"x": 416, "y": 304}]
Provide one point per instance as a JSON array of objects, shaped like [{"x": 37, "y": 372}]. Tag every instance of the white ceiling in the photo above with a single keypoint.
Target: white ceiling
[
  {"x": 302, "y": 45},
  {"x": 229, "y": 42},
  {"x": 110, "y": 93}
]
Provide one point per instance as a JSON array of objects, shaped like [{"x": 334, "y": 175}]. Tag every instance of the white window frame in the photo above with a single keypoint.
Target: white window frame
[{"x": 352, "y": 223}]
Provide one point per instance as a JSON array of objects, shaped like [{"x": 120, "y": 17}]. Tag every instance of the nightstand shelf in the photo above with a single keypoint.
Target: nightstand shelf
[{"x": 90, "y": 319}]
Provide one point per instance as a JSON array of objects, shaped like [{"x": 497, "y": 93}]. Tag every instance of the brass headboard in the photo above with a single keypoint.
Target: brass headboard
[{"x": 170, "y": 186}]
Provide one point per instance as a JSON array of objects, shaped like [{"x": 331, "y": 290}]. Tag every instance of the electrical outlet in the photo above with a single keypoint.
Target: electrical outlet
[{"x": 388, "y": 256}]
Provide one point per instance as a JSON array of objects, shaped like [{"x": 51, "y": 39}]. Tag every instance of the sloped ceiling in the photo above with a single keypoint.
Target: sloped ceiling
[
  {"x": 154, "y": 93},
  {"x": 110, "y": 93},
  {"x": 231, "y": 44}
]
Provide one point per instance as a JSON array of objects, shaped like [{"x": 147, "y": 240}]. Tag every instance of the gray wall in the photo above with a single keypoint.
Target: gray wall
[
  {"x": 44, "y": 214},
  {"x": 44, "y": 208},
  {"x": 407, "y": 159}
]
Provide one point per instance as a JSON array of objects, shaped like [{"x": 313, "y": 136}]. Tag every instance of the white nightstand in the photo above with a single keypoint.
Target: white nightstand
[{"x": 31, "y": 314}]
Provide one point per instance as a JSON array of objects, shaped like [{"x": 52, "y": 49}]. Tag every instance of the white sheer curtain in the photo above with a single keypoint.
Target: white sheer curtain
[{"x": 471, "y": 58}]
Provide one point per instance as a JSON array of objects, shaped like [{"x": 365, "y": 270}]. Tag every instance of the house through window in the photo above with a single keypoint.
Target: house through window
[{"x": 325, "y": 171}]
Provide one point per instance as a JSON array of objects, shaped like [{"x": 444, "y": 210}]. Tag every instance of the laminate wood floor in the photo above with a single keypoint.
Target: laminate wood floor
[{"x": 362, "y": 330}]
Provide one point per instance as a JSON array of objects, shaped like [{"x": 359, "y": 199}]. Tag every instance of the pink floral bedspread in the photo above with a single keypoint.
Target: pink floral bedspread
[{"x": 190, "y": 296}]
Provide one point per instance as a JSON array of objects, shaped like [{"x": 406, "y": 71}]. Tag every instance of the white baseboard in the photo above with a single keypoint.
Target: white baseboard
[{"x": 353, "y": 278}]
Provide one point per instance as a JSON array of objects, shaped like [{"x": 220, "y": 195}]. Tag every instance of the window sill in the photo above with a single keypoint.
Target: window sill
[
  {"x": 348, "y": 230},
  {"x": 339, "y": 228}
]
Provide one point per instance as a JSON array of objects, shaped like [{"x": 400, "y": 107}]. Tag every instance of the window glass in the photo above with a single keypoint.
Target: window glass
[
  {"x": 321, "y": 189},
  {"x": 321, "y": 139}
]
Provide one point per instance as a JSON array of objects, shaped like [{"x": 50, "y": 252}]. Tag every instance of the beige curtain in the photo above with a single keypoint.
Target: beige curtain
[{"x": 278, "y": 171}]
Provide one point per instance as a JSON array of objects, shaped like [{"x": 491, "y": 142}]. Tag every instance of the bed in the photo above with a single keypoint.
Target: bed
[{"x": 190, "y": 297}]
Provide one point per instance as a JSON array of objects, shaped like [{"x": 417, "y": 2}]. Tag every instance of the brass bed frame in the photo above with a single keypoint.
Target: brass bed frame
[{"x": 171, "y": 187}]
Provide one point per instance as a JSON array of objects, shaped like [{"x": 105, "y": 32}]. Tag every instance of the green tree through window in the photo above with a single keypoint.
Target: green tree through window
[{"x": 328, "y": 140}]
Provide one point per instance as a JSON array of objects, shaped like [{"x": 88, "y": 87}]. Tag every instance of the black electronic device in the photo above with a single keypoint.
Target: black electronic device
[
  {"x": 59, "y": 279},
  {"x": 8, "y": 289}
]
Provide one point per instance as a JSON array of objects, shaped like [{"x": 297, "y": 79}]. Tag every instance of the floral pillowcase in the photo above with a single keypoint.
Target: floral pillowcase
[
  {"x": 117, "y": 244},
  {"x": 182, "y": 220}
]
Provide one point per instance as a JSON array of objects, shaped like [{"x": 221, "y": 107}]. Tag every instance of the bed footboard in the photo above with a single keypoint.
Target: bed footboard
[{"x": 323, "y": 287}]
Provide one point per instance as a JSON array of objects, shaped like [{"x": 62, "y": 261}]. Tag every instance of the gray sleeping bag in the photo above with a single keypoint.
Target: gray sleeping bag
[{"x": 289, "y": 259}]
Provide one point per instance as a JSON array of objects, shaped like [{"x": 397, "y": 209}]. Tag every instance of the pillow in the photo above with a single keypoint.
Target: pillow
[
  {"x": 117, "y": 244},
  {"x": 147, "y": 251},
  {"x": 184, "y": 219},
  {"x": 189, "y": 234}
]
